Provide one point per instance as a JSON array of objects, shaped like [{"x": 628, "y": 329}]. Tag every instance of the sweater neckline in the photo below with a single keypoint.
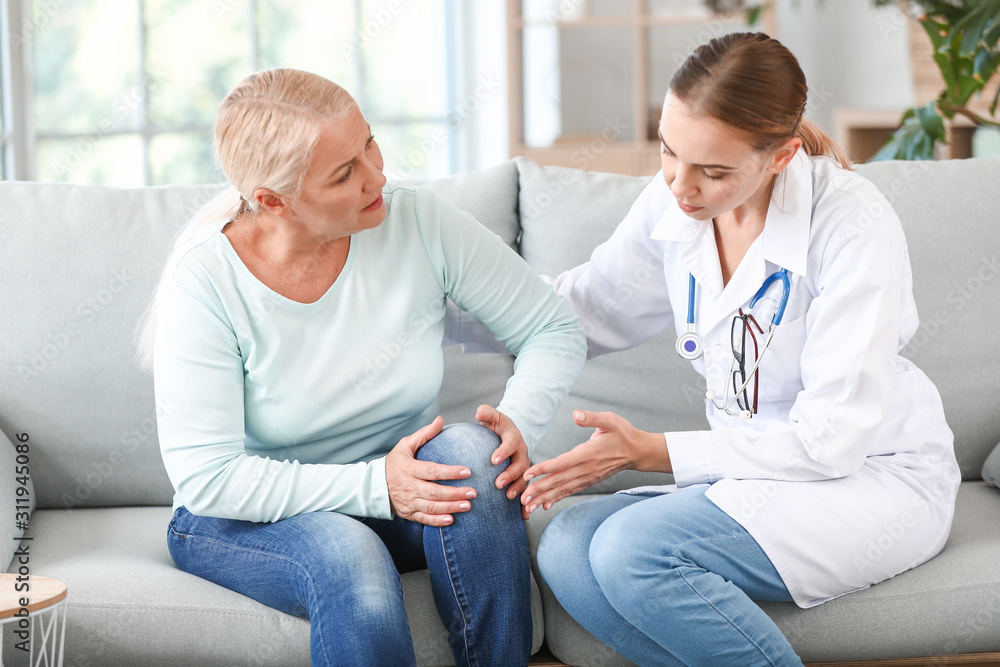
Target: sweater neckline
[{"x": 236, "y": 261}]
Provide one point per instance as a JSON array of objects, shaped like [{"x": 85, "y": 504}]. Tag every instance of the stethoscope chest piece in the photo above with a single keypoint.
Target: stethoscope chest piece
[{"x": 689, "y": 346}]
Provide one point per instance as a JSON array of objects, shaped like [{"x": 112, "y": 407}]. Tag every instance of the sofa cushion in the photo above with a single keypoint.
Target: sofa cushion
[
  {"x": 128, "y": 604},
  {"x": 949, "y": 211},
  {"x": 17, "y": 495},
  {"x": 77, "y": 265},
  {"x": 991, "y": 469},
  {"x": 565, "y": 214},
  {"x": 939, "y": 608}
]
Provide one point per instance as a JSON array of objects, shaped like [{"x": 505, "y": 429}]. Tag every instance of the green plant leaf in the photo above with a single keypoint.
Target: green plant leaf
[
  {"x": 969, "y": 30},
  {"x": 985, "y": 65},
  {"x": 991, "y": 37},
  {"x": 937, "y": 31},
  {"x": 931, "y": 121},
  {"x": 911, "y": 141}
]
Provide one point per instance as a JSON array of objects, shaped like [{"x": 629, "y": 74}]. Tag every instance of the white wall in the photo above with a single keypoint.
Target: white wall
[{"x": 853, "y": 55}]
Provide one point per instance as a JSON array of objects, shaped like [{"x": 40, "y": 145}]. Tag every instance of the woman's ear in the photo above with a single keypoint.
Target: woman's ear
[
  {"x": 272, "y": 202},
  {"x": 784, "y": 155}
]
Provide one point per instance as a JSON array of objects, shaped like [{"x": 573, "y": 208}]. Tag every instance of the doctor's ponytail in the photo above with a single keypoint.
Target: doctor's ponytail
[{"x": 754, "y": 84}]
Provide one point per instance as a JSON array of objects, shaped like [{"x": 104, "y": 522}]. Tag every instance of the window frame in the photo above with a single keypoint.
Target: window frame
[{"x": 19, "y": 138}]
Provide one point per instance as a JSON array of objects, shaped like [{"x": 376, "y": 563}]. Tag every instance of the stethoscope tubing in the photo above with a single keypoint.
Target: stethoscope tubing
[{"x": 690, "y": 345}]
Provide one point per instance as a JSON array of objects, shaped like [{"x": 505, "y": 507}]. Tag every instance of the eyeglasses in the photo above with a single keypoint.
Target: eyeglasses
[{"x": 744, "y": 332}]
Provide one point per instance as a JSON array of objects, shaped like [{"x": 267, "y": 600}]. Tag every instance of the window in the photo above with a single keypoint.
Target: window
[{"x": 124, "y": 93}]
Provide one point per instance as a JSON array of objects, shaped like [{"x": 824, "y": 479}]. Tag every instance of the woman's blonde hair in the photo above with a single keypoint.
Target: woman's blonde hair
[
  {"x": 751, "y": 82},
  {"x": 265, "y": 131}
]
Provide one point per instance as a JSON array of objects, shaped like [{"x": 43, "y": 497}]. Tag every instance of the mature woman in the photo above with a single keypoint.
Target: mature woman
[
  {"x": 787, "y": 279},
  {"x": 304, "y": 478}
]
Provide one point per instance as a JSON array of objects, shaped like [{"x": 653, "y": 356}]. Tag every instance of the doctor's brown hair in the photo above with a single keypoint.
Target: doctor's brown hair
[{"x": 752, "y": 83}]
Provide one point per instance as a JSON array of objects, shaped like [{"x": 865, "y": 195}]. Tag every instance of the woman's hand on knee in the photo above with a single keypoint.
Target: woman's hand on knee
[
  {"x": 512, "y": 446},
  {"x": 413, "y": 493}
]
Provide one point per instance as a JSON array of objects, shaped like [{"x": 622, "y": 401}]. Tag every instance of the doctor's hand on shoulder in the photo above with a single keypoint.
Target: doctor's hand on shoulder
[{"x": 615, "y": 445}]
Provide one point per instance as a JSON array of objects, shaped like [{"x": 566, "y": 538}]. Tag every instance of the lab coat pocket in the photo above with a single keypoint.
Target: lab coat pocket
[{"x": 781, "y": 368}]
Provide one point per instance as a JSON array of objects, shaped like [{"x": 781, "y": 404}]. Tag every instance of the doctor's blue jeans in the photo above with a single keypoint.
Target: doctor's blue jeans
[
  {"x": 342, "y": 572},
  {"x": 665, "y": 580}
]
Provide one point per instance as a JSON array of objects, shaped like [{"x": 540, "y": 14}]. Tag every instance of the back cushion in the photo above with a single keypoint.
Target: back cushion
[
  {"x": 77, "y": 266},
  {"x": 950, "y": 211}
]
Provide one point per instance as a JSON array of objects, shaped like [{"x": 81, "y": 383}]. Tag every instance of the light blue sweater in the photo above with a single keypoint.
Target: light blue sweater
[{"x": 268, "y": 408}]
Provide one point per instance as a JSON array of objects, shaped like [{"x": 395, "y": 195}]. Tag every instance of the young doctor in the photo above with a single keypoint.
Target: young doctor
[{"x": 829, "y": 466}]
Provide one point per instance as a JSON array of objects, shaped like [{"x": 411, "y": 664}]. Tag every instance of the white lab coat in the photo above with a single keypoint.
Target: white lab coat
[{"x": 847, "y": 475}]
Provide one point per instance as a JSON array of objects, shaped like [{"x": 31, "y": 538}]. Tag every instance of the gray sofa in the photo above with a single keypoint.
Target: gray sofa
[{"x": 77, "y": 265}]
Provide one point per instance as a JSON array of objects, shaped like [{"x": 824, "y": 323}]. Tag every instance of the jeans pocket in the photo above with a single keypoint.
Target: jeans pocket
[{"x": 175, "y": 529}]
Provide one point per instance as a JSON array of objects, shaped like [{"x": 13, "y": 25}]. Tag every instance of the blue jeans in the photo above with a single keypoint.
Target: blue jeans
[
  {"x": 342, "y": 572},
  {"x": 665, "y": 580}
]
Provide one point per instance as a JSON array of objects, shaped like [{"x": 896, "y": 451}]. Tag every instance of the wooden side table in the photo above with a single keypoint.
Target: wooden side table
[{"x": 43, "y": 625}]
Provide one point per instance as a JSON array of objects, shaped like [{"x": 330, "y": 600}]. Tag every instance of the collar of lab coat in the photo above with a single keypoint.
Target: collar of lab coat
[{"x": 784, "y": 243}]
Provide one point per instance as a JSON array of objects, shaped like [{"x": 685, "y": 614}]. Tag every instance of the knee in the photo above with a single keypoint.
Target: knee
[
  {"x": 616, "y": 555},
  {"x": 469, "y": 445}
]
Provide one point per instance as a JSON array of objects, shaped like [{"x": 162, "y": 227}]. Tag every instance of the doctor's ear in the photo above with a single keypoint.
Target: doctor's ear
[{"x": 781, "y": 157}]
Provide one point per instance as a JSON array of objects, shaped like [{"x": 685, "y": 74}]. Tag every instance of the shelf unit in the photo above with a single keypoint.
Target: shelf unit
[
  {"x": 861, "y": 132},
  {"x": 604, "y": 45}
]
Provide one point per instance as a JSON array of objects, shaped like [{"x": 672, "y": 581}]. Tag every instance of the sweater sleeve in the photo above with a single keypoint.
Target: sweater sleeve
[
  {"x": 198, "y": 379},
  {"x": 484, "y": 277}
]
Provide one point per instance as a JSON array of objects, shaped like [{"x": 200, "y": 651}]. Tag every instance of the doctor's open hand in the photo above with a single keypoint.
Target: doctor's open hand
[
  {"x": 512, "y": 446},
  {"x": 413, "y": 493},
  {"x": 615, "y": 445}
]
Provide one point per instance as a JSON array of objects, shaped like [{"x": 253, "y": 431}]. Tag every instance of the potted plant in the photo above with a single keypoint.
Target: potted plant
[{"x": 965, "y": 36}]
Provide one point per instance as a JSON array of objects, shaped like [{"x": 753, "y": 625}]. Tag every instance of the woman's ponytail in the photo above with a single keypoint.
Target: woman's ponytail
[
  {"x": 816, "y": 142},
  {"x": 209, "y": 219}
]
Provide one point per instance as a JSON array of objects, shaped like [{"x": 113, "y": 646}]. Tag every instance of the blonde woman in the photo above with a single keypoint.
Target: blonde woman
[
  {"x": 786, "y": 278},
  {"x": 303, "y": 479}
]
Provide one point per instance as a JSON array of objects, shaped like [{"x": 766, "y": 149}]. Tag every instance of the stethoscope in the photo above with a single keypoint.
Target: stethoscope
[{"x": 689, "y": 344}]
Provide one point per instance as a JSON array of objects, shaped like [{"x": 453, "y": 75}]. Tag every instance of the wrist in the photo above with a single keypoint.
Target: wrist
[{"x": 652, "y": 453}]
